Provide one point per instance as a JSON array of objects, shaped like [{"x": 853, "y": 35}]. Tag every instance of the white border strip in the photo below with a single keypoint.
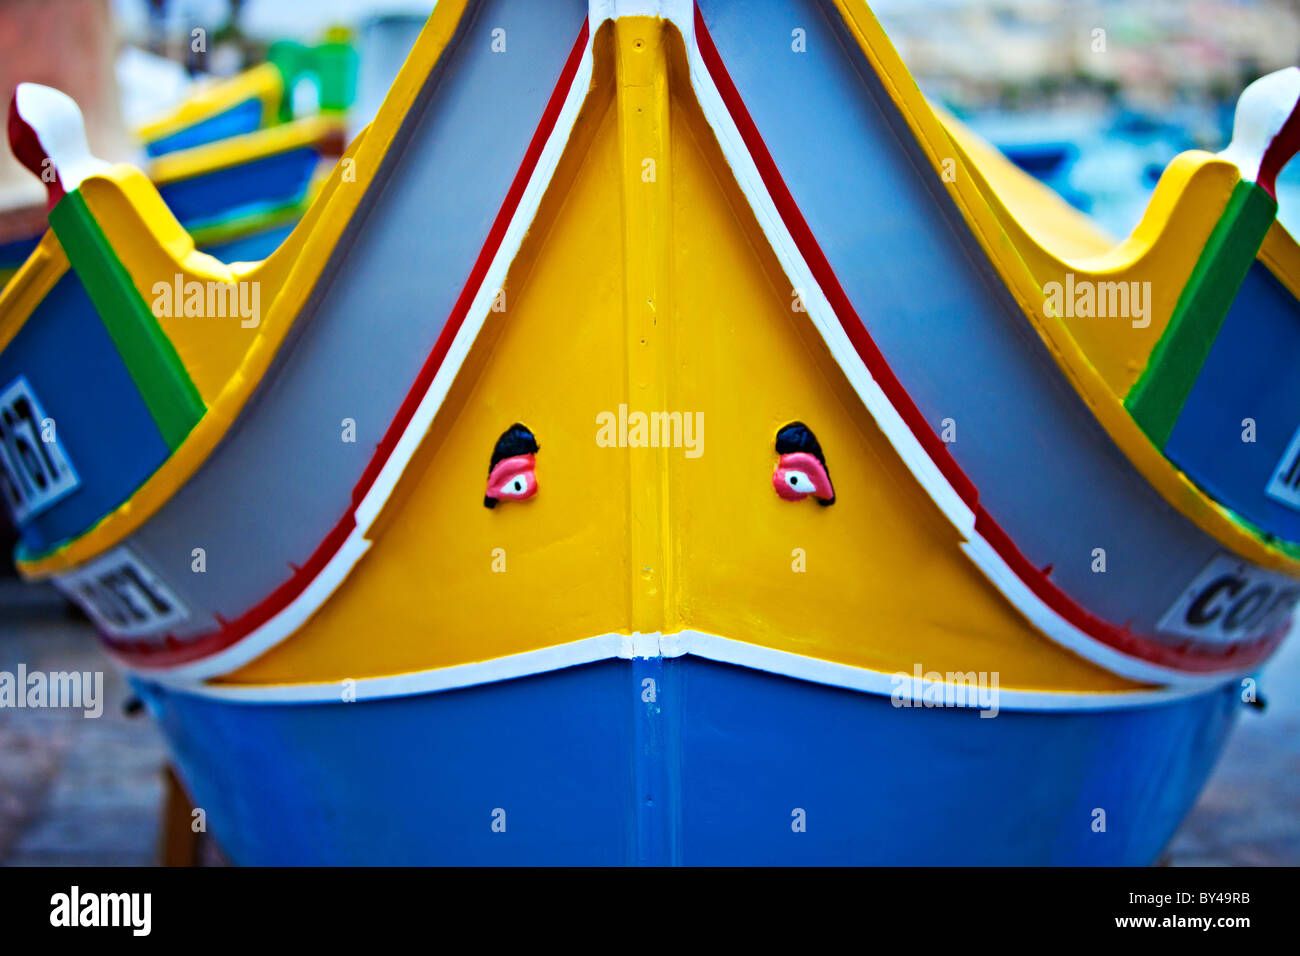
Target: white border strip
[
  {"x": 678, "y": 11},
  {"x": 685, "y": 643},
  {"x": 298, "y": 611}
]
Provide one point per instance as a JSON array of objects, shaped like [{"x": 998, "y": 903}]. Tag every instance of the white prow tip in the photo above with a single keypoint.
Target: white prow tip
[
  {"x": 48, "y": 135},
  {"x": 1265, "y": 129}
]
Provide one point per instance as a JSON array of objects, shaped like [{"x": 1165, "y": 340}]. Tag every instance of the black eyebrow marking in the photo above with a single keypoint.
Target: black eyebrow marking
[
  {"x": 797, "y": 437},
  {"x": 515, "y": 440}
]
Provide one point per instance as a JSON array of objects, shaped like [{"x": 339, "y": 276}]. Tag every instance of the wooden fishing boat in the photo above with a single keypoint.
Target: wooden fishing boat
[{"x": 487, "y": 492}]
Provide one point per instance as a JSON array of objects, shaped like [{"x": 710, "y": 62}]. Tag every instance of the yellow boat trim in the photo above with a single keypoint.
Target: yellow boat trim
[
  {"x": 154, "y": 244},
  {"x": 1281, "y": 255},
  {"x": 1043, "y": 217},
  {"x": 1042, "y": 212},
  {"x": 1011, "y": 263},
  {"x": 37, "y": 276},
  {"x": 16, "y": 307},
  {"x": 643, "y": 122},
  {"x": 228, "y": 230},
  {"x": 1162, "y": 251}
]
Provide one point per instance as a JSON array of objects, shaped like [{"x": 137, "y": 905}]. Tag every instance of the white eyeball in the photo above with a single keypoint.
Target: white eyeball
[
  {"x": 799, "y": 482},
  {"x": 518, "y": 485}
]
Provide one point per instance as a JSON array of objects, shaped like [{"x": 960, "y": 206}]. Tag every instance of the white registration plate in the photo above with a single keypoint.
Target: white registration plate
[{"x": 1230, "y": 602}]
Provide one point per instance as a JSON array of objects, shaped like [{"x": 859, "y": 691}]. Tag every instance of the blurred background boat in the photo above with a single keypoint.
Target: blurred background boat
[{"x": 234, "y": 157}]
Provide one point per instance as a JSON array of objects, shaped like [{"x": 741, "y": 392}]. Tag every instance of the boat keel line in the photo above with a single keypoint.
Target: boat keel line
[{"x": 608, "y": 647}]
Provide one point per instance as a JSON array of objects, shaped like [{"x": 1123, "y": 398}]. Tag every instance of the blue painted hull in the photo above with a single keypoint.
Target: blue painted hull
[
  {"x": 1249, "y": 376},
  {"x": 712, "y": 772},
  {"x": 66, "y": 354},
  {"x": 253, "y": 247},
  {"x": 14, "y": 254},
  {"x": 249, "y": 187},
  {"x": 245, "y": 117}
]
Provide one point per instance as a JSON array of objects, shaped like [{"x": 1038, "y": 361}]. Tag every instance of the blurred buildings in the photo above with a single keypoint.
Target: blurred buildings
[
  {"x": 972, "y": 53},
  {"x": 1149, "y": 53},
  {"x": 33, "y": 33},
  {"x": 1095, "y": 97}
]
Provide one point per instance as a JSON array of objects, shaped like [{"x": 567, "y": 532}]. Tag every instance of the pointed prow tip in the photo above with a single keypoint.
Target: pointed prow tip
[
  {"x": 1266, "y": 128},
  {"x": 48, "y": 136}
]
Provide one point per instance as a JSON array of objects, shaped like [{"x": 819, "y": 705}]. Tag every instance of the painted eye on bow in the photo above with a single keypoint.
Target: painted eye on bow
[
  {"x": 801, "y": 469},
  {"x": 512, "y": 476},
  {"x": 798, "y": 482}
]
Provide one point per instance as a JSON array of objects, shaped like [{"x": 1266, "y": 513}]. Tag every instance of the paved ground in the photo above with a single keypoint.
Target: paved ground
[
  {"x": 77, "y": 791},
  {"x": 72, "y": 790},
  {"x": 1249, "y": 815}
]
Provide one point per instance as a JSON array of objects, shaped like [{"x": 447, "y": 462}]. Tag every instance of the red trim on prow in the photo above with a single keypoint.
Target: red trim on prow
[
  {"x": 1284, "y": 146},
  {"x": 26, "y": 147},
  {"x": 173, "y": 652},
  {"x": 1191, "y": 659}
]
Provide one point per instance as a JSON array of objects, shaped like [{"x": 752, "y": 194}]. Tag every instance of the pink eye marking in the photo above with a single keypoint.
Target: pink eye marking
[
  {"x": 513, "y": 479},
  {"x": 799, "y": 475},
  {"x": 801, "y": 469},
  {"x": 512, "y": 475}
]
